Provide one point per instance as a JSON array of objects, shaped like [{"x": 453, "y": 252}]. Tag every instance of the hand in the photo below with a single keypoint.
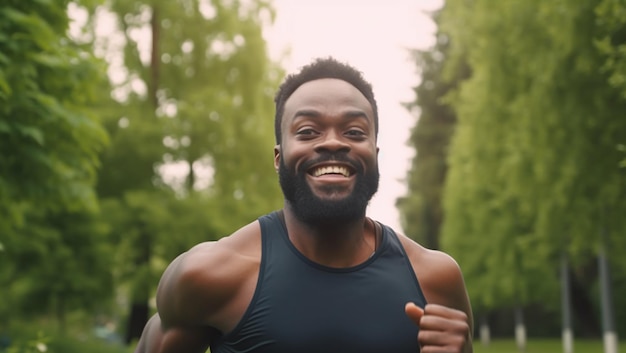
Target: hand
[{"x": 442, "y": 329}]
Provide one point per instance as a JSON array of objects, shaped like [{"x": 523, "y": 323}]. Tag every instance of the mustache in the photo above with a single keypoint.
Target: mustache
[{"x": 331, "y": 157}]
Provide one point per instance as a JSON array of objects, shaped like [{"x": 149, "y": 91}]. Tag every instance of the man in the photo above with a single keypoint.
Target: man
[{"x": 318, "y": 275}]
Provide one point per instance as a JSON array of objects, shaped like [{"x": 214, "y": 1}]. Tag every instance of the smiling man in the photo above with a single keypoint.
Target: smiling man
[{"x": 318, "y": 275}]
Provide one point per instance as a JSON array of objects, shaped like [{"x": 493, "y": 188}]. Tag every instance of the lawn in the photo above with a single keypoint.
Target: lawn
[
  {"x": 496, "y": 346},
  {"x": 542, "y": 346}
]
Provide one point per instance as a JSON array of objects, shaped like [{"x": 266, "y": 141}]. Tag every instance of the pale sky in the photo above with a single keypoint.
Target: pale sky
[{"x": 374, "y": 36}]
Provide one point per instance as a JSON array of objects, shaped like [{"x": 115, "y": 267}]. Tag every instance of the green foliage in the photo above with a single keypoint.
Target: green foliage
[
  {"x": 611, "y": 42},
  {"x": 62, "y": 263},
  {"x": 92, "y": 345},
  {"x": 212, "y": 111},
  {"x": 534, "y": 162},
  {"x": 35, "y": 345},
  {"x": 202, "y": 99},
  {"x": 36, "y": 337},
  {"x": 49, "y": 141},
  {"x": 151, "y": 228},
  {"x": 192, "y": 89},
  {"x": 53, "y": 257},
  {"x": 421, "y": 209}
]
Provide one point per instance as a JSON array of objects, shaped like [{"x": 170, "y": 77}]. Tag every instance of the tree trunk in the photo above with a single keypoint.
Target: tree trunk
[
  {"x": 140, "y": 295},
  {"x": 137, "y": 321},
  {"x": 191, "y": 177},
  {"x": 59, "y": 313},
  {"x": 583, "y": 304},
  {"x": 566, "y": 306},
  {"x": 608, "y": 321},
  {"x": 139, "y": 310},
  {"x": 520, "y": 329},
  {"x": 155, "y": 67},
  {"x": 485, "y": 332}
]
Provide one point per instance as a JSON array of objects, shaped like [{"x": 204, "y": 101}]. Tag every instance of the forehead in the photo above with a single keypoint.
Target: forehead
[{"x": 329, "y": 96}]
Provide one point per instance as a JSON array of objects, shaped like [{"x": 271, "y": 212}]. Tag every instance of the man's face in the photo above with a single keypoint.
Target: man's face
[{"x": 327, "y": 160}]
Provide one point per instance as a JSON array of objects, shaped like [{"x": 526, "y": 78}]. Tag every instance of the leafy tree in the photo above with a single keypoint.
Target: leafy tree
[
  {"x": 193, "y": 90},
  {"x": 64, "y": 266},
  {"x": 534, "y": 159},
  {"x": 51, "y": 258},
  {"x": 49, "y": 139},
  {"x": 421, "y": 210}
]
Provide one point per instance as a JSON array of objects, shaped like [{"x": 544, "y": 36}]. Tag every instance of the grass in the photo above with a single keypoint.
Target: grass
[
  {"x": 91, "y": 346},
  {"x": 68, "y": 345},
  {"x": 65, "y": 345},
  {"x": 542, "y": 346},
  {"x": 496, "y": 346},
  {"x": 37, "y": 339}
]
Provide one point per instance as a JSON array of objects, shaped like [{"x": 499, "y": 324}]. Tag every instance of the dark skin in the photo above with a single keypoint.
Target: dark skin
[{"x": 321, "y": 115}]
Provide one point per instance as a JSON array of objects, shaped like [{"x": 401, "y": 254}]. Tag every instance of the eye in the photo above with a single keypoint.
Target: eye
[
  {"x": 356, "y": 133},
  {"x": 306, "y": 131}
]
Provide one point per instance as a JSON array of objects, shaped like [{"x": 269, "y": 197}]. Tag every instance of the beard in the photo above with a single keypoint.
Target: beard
[{"x": 313, "y": 210}]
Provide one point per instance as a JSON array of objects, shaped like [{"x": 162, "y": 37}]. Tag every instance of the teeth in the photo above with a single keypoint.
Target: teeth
[{"x": 331, "y": 170}]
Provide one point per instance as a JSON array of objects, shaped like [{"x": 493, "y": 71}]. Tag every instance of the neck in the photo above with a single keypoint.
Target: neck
[{"x": 334, "y": 245}]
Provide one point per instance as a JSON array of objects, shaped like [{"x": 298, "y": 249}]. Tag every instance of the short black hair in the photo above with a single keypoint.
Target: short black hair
[{"x": 321, "y": 68}]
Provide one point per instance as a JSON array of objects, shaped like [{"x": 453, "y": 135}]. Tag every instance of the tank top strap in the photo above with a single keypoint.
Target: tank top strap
[
  {"x": 392, "y": 246},
  {"x": 273, "y": 235}
]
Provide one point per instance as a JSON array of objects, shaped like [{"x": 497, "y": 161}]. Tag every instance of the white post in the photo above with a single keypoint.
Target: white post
[
  {"x": 485, "y": 333},
  {"x": 568, "y": 335},
  {"x": 520, "y": 329}
]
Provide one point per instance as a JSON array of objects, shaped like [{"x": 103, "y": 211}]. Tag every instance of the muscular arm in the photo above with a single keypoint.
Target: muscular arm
[
  {"x": 203, "y": 292},
  {"x": 155, "y": 339},
  {"x": 447, "y": 319},
  {"x": 173, "y": 329}
]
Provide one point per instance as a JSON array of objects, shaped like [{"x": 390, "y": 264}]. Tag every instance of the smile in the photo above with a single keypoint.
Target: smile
[{"x": 325, "y": 170}]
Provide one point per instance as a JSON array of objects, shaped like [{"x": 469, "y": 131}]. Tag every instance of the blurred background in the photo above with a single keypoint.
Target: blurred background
[{"x": 131, "y": 130}]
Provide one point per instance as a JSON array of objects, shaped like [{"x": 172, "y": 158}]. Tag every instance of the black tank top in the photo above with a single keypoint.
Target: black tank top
[{"x": 300, "y": 306}]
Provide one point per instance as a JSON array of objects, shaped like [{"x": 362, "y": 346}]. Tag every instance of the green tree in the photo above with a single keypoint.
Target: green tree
[
  {"x": 193, "y": 89},
  {"x": 48, "y": 137},
  {"x": 51, "y": 260},
  {"x": 62, "y": 268},
  {"x": 421, "y": 210},
  {"x": 534, "y": 163}
]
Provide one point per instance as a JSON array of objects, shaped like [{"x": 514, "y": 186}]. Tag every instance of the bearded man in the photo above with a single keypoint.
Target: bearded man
[{"x": 317, "y": 275}]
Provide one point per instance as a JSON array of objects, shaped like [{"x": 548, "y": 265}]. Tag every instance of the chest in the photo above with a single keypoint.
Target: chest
[{"x": 300, "y": 308}]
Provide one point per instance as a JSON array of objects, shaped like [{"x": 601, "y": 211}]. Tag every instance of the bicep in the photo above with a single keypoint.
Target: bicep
[
  {"x": 183, "y": 292},
  {"x": 444, "y": 284},
  {"x": 195, "y": 289},
  {"x": 459, "y": 296},
  {"x": 157, "y": 339}
]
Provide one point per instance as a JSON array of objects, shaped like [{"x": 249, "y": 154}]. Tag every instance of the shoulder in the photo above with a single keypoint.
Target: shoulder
[
  {"x": 439, "y": 274},
  {"x": 440, "y": 277},
  {"x": 199, "y": 283},
  {"x": 428, "y": 259}
]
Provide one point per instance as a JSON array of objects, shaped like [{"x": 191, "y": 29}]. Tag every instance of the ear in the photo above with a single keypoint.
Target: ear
[{"x": 276, "y": 157}]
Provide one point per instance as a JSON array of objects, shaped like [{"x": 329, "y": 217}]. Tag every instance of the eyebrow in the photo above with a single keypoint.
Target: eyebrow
[{"x": 312, "y": 113}]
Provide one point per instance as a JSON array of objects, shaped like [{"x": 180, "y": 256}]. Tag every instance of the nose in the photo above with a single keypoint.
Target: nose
[{"x": 332, "y": 142}]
